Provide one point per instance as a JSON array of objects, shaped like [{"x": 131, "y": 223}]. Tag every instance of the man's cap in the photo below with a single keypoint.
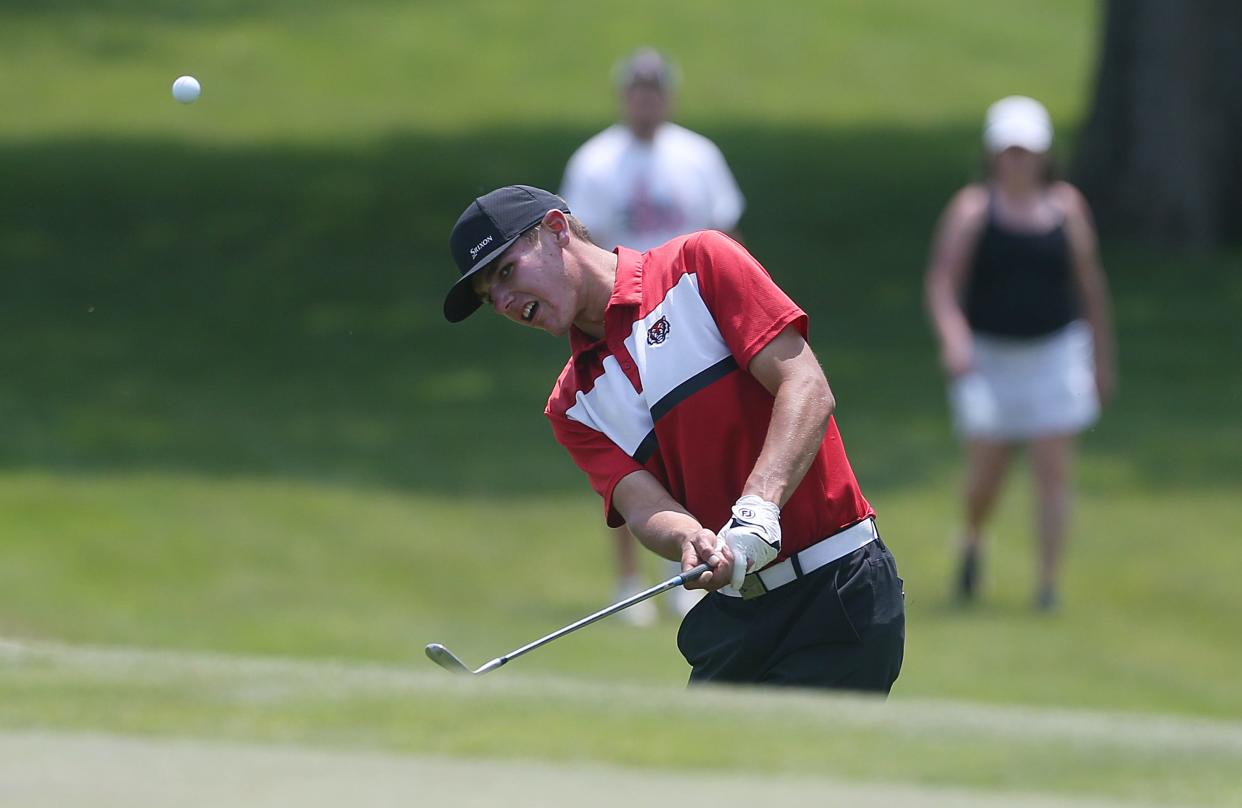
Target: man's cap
[
  {"x": 487, "y": 228},
  {"x": 1017, "y": 121},
  {"x": 645, "y": 65}
]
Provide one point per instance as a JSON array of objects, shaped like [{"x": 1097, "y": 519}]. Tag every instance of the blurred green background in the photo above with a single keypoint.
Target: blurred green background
[{"x": 236, "y": 423}]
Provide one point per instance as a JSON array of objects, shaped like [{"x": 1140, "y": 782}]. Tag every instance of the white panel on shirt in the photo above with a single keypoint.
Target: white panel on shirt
[
  {"x": 615, "y": 408},
  {"x": 692, "y": 345}
]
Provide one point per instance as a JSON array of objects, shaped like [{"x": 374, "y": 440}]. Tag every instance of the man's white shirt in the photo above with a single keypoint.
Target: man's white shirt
[{"x": 641, "y": 194}]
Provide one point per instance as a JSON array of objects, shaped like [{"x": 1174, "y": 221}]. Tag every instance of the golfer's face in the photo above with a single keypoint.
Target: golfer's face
[{"x": 527, "y": 284}]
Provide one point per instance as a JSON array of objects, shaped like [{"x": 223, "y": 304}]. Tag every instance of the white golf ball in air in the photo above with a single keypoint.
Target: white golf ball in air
[{"x": 186, "y": 89}]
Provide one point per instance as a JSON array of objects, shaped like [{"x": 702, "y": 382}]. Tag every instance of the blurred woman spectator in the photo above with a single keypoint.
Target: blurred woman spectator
[{"x": 1021, "y": 308}]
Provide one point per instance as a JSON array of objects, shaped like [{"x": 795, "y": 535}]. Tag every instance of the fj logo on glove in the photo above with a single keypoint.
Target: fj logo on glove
[
  {"x": 658, "y": 332},
  {"x": 746, "y": 513}
]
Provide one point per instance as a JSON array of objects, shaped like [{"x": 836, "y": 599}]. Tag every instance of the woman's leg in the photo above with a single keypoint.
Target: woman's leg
[
  {"x": 987, "y": 462},
  {"x": 1052, "y": 458}
]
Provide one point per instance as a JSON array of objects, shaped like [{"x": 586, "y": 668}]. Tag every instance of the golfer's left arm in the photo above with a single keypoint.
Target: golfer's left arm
[
  {"x": 802, "y": 404},
  {"x": 788, "y": 369}
]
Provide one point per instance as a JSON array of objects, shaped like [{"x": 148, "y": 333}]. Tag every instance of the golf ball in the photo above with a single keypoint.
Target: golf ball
[{"x": 185, "y": 89}]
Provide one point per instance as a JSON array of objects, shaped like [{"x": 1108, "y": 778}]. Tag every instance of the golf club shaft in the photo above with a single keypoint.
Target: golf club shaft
[{"x": 676, "y": 580}]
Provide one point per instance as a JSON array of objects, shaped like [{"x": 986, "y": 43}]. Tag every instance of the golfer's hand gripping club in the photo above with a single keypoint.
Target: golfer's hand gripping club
[{"x": 753, "y": 533}]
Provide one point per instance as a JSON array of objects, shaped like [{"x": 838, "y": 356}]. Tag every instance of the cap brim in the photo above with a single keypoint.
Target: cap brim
[{"x": 461, "y": 301}]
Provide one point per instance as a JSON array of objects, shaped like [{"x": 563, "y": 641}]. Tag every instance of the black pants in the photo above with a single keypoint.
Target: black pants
[{"x": 842, "y": 626}]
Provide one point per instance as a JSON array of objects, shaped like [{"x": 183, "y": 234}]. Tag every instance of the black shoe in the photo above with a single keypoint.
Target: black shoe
[
  {"x": 1046, "y": 600},
  {"x": 968, "y": 575}
]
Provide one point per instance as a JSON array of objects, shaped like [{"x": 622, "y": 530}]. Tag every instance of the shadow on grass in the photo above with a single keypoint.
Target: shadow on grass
[{"x": 276, "y": 311}]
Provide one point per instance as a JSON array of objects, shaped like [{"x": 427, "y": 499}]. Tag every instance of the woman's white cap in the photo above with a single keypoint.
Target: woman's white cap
[{"x": 1017, "y": 121}]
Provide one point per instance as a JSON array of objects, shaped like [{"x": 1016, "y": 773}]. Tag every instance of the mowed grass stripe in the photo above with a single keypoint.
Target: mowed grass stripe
[
  {"x": 109, "y": 770},
  {"x": 341, "y": 705},
  {"x": 295, "y": 679}
]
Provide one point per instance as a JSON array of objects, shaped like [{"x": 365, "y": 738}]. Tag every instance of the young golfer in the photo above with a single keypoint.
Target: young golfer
[{"x": 699, "y": 413}]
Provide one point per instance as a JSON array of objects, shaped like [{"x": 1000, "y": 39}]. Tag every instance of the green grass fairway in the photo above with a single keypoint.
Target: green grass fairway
[
  {"x": 247, "y": 472},
  {"x": 914, "y": 747},
  {"x": 256, "y": 566},
  {"x": 112, "y": 771},
  {"x": 276, "y": 70}
]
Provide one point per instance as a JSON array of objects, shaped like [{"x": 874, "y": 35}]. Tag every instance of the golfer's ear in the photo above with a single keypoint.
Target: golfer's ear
[{"x": 554, "y": 222}]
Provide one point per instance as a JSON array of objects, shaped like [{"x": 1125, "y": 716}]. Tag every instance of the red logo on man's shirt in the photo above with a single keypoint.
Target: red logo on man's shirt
[{"x": 658, "y": 332}]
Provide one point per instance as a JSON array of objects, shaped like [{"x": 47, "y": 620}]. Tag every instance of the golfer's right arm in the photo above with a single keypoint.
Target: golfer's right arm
[{"x": 667, "y": 529}]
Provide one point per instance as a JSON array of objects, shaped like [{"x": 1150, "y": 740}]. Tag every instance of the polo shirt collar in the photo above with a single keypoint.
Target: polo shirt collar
[{"x": 627, "y": 290}]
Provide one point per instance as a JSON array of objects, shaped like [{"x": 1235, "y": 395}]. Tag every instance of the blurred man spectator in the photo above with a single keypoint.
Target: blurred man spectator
[{"x": 639, "y": 183}]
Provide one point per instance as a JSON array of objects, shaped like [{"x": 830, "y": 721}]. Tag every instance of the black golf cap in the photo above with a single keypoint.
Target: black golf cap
[{"x": 486, "y": 229}]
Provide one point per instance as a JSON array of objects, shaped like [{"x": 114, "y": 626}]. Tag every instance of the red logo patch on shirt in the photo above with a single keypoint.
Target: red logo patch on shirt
[{"x": 658, "y": 332}]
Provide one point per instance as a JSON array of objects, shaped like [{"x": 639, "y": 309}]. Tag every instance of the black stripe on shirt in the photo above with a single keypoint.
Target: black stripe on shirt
[
  {"x": 646, "y": 449},
  {"x": 692, "y": 385}
]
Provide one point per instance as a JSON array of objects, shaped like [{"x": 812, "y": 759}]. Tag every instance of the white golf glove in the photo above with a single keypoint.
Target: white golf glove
[{"x": 753, "y": 534}]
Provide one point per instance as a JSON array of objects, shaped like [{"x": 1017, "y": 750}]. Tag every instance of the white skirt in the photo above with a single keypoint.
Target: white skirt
[{"x": 1019, "y": 389}]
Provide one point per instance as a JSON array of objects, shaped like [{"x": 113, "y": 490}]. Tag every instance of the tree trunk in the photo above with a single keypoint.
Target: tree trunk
[{"x": 1160, "y": 157}]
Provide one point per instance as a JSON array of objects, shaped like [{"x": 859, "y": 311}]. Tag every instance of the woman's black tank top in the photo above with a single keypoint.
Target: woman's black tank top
[{"x": 1020, "y": 284}]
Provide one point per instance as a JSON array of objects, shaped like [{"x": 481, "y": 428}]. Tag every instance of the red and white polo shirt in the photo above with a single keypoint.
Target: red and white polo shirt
[{"x": 666, "y": 389}]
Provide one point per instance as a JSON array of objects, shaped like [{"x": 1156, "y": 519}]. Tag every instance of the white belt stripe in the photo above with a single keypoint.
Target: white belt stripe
[{"x": 812, "y": 558}]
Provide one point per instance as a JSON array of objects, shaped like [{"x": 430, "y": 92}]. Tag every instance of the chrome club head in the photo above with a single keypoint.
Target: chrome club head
[{"x": 445, "y": 658}]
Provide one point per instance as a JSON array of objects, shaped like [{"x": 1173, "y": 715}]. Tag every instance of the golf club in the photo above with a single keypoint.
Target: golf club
[{"x": 451, "y": 662}]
